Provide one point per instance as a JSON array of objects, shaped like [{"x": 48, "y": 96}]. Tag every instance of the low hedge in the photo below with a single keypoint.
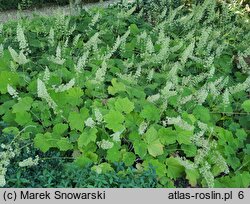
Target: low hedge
[{"x": 56, "y": 174}]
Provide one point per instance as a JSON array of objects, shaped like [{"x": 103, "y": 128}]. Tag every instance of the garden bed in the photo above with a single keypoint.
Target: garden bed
[{"x": 162, "y": 92}]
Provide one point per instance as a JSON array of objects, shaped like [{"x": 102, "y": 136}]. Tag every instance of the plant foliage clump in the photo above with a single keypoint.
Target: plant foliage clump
[{"x": 114, "y": 85}]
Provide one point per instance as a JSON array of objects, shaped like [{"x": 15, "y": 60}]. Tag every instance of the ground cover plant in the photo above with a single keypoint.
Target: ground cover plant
[{"x": 149, "y": 85}]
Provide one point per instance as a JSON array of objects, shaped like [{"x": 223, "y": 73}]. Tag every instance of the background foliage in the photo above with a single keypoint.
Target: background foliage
[
  {"x": 155, "y": 84},
  {"x": 24, "y": 4}
]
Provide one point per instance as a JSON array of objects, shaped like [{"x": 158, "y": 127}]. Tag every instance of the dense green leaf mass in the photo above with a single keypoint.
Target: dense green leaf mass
[{"x": 165, "y": 87}]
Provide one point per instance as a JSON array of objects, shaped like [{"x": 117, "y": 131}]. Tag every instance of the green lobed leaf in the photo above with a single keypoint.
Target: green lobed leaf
[
  {"x": 116, "y": 87},
  {"x": 174, "y": 169},
  {"x": 114, "y": 120},
  {"x": 60, "y": 129},
  {"x": 192, "y": 176},
  {"x": 75, "y": 121},
  {"x": 246, "y": 105},
  {"x": 24, "y": 104},
  {"x": 140, "y": 148},
  {"x": 167, "y": 136},
  {"x": 159, "y": 167},
  {"x": 82, "y": 161},
  {"x": 23, "y": 118},
  {"x": 128, "y": 158},
  {"x": 6, "y": 77},
  {"x": 124, "y": 105},
  {"x": 88, "y": 135},
  {"x": 202, "y": 113},
  {"x": 155, "y": 148},
  {"x": 64, "y": 144},
  {"x": 114, "y": 154},
  {"x": 44, "y": 141},
  {"x": 150, "y": 112}
]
